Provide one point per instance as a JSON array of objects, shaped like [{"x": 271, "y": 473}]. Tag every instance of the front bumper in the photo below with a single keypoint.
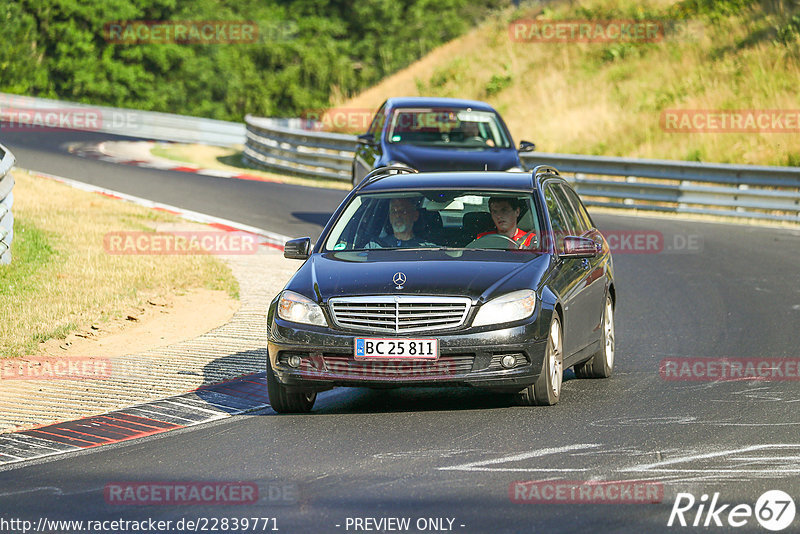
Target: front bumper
[{"x": 470, "y": 357}]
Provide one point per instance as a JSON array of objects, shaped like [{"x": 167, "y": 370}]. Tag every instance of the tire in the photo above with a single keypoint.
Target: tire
[
  {"x": 601, "y": 365},
  {"x": 546, "y": 391},
  {"x": 284, "y": 400}
]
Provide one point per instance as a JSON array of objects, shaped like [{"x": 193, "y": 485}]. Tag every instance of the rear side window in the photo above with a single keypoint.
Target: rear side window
[
  {"x": 579, "y": 207},
  {"x": 576, "y": 224},
  {"x": 557, "y": 218}
]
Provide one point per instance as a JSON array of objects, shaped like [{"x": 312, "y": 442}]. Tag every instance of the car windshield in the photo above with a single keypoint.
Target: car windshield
[
  {"x": 480, "y": 220},
  {"x": 443, "y": 127}
]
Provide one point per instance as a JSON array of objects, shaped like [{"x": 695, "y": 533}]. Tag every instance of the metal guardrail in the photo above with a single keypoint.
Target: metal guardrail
[
  {"x": 749, "y": 191},
  {"x": 282, "y": 145},
  {"x": 33, "y": 112},
  {"x": 6, "y": 201}
]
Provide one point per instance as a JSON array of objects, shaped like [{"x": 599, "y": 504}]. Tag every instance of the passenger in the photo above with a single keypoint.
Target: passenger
[
  {"x": 505, "y": 214},
  {"x": 403, "y": 213}
]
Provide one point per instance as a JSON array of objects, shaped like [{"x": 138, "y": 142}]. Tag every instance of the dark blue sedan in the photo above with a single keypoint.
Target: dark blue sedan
[{"x": 437, "y": 134}]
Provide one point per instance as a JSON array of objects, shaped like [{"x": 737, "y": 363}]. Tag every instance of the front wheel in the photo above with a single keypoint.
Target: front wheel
[
  {"x": 546, "y": 391},
  {"x": 285, "y": 400},
  {"x": 601, "y": 364}
]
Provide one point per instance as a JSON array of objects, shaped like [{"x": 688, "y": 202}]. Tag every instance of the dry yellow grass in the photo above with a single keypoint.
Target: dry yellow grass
[
  {"x": 62, "y": 279},
  {"x": 607, "y": 98}
]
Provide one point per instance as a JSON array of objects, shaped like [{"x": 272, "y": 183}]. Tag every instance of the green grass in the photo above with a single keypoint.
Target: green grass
[
  {"x": 31, "y": 251},
  {"x": 32, "y": 254},
  {"x": 61, "y": 278}
]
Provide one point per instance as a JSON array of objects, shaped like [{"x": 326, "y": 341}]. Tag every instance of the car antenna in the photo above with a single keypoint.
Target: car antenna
[{"x": 485, "y": 166}]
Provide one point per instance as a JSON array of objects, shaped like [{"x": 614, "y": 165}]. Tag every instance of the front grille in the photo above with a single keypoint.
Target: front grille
[
  {"x": 444, "y": 367},
  {"x": 399, "y": 314}
]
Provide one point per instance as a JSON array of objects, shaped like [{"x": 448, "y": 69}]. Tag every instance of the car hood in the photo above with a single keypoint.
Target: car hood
[
  {"x": 433, "y": 159},
  {"x": 478, "y": 274}
]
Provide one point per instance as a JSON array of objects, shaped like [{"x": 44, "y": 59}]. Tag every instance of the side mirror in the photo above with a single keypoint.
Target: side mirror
[
  {"x": 297, "y": 249},
  {"x": 526, "y": 146},
  {"x": 579, "y": 247},
  {"x": 366, "y": 139}
]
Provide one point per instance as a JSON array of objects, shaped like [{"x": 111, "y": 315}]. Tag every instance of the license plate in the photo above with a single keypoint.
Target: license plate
[{"x": 396, "y": 349}]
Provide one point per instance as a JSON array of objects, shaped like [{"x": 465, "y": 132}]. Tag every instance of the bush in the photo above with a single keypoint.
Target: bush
[{"x": 306, "y": 50}]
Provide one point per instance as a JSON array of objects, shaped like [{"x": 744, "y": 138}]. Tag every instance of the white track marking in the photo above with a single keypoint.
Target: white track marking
[
  {"x": 730, "y": 456},
  {"x": 482, "y": 465},
  {"x": 270, "y": 237},
  {"x": 50, "y": 489}
]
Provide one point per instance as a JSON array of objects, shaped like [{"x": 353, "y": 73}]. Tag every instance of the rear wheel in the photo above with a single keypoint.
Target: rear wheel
[
  {"x": 601, "y": 364},
  {"x": 547, "y": 389},
  {"x": 286, "y": 400}
]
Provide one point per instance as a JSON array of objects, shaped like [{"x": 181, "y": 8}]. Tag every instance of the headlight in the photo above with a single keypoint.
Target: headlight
[
  {"x": 299, "y": 309},
  {"x": 507, "y": 309}
]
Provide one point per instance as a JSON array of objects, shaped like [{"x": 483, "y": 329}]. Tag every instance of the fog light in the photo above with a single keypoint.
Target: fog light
[
  {"x": 294, "y": 361},
  {"x": 508, "y": 361}
]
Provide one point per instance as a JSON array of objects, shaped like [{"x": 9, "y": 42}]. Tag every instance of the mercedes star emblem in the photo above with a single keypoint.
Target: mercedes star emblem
[{"x": 399, "y": 279}]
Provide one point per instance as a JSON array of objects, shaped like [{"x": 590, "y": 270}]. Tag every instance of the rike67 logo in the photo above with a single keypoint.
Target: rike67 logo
[{"x": 774, "y": 511}]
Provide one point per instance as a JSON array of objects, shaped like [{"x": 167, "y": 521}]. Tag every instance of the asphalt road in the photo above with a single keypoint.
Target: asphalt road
[
  {"x": 283, "y": 208},
  {"x": 713, "y": 291}
]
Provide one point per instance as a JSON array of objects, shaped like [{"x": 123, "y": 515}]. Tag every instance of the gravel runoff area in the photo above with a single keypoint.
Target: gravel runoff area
[{"x": 229, "y": 351}]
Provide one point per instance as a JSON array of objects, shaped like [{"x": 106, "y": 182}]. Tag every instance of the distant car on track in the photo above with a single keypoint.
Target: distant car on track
[
  {"x": 437, "y": 134},
  {"x": 414, "y": 282}
]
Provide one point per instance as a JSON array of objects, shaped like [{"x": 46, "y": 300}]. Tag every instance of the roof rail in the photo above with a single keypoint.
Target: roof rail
[
  {"x": 383, "y": 172},
  {"x": 543, "y": 169}
]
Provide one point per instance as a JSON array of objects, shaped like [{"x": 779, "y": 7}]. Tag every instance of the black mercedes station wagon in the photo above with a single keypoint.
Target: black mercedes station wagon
[{"x": 495, "y": 280}]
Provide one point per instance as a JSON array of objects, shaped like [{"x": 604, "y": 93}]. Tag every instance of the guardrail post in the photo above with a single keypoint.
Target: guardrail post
[{"x": 6, "y": 203}]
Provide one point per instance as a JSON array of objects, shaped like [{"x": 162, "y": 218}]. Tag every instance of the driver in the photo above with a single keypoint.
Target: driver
[
  {"x": 403, "y": 213},
  {"x": 505, "y": 214},
  {"x": 472, "y": 131}
]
